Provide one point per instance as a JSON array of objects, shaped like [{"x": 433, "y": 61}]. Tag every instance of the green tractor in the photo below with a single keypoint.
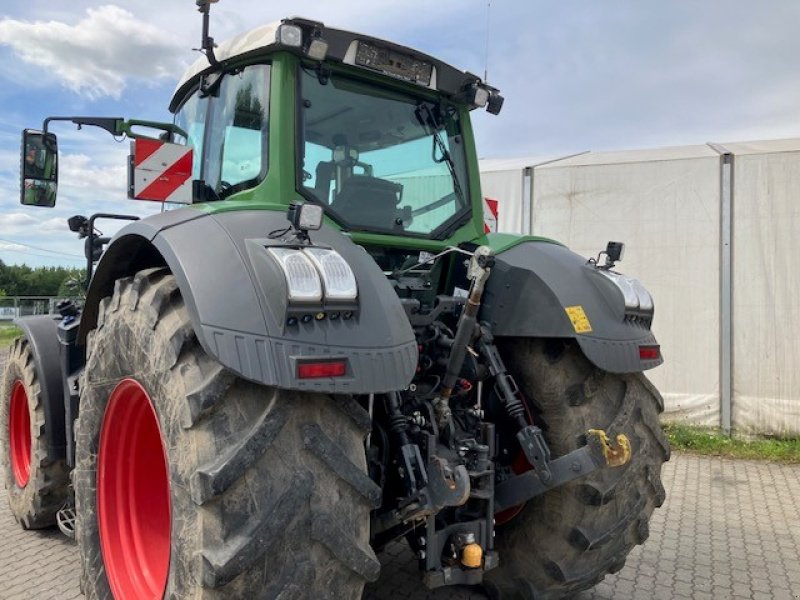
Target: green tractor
[{"x": 325, "y": 352}]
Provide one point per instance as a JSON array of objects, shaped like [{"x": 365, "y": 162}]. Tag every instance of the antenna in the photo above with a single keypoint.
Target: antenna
[
  {"x": 486, "y": 64},
  {"x": 207, "y": 44}
]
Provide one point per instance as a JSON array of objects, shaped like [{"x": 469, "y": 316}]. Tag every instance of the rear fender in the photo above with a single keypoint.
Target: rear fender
[
  {"x": 532, "y": 285},
  {"x": 41, "y": 331},
  {"x": 236, "y": 298}
]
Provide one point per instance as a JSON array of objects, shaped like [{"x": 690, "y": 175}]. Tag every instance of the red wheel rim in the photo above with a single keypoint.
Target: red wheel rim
[
  {"x": 519, "y": 466},
  {"x": 19, "y": 434},
  {"x": 133, "y": 504}
]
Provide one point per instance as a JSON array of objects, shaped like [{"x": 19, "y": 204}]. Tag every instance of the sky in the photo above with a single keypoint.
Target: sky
[{"x": 577, "y": 75}]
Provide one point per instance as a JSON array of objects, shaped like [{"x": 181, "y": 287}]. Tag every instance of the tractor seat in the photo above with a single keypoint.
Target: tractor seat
[{"x": 368, "y": 201}]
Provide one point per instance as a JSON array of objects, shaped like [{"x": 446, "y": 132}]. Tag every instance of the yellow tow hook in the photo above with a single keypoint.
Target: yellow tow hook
[{"x": 615, "y": 457}]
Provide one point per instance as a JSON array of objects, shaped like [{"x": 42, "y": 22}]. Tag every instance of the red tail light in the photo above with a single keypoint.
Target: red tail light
[
  {"x": 328, "y": 368},
  {"x": 649, "y": 352}
]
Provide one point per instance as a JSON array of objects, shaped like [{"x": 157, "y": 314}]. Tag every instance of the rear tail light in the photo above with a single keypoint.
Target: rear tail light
[
  {"x": 316, "y": 370},
  {"x": 649, "y": 352}
]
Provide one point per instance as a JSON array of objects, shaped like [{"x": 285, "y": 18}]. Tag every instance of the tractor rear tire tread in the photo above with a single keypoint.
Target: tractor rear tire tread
[
  {"x": 570, "y": 538},
  {"x": 35, "y": 506},
  {"x": 257, "y": 513}
]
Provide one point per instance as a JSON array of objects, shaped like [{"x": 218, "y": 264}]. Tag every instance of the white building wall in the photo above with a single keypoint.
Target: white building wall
[
  {"x": 665, "y": 204},
  {"x": 666, "y": 210},
  {"x": 766, "y": 287}
]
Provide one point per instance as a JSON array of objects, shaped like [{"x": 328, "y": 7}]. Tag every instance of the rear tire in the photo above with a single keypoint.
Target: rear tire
[
  {"x": 568, "y": 539},
  {"x": 268, "y": 490},
  {"x": 37, "y": 486}
]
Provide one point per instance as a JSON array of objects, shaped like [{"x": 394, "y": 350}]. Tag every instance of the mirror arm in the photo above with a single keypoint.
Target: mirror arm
[
  {"x": 169, "y": 129},
  {"x": 118, "y": 126},
  {"x": 115, "y": 126}
]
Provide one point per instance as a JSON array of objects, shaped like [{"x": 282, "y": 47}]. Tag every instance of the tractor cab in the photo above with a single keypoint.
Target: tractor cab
[{"x": 375, "y": 133}]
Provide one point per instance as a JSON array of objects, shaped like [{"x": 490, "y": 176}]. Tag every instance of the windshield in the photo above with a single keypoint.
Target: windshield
[{"x": 381, "y": 161}]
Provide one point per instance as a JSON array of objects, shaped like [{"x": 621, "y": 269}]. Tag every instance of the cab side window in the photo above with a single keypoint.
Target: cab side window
[
  {"x": 236, "y": 149},
  {"x": 192, "y": 119}
]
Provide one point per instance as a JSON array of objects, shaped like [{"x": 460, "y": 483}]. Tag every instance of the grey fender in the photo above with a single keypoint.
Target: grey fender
[
  {"x": 530, "y": 288},
  {"x": 41, "y": 332},
  {"x": 237, "y": 300}
]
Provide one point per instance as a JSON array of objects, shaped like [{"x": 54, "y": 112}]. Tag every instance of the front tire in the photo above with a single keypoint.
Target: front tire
[
  {"x": 267, "y": 489},
  {"x": 568, "y": 539},
  {"x": 37, "y": 485}
]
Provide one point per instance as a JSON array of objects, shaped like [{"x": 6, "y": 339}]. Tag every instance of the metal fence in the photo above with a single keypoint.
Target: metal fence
[{"x": 12, "y": 307}]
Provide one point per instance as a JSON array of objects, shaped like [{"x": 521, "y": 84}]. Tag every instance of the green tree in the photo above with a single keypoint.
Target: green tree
[
  {"x": 22, "y": 280},
  {"x": 73, "y": 285}
]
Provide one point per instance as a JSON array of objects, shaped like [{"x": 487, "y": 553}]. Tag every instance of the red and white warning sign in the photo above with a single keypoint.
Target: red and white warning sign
[
  {"x": 490, "y": 207},
  {"x": 160, "y": 171}
]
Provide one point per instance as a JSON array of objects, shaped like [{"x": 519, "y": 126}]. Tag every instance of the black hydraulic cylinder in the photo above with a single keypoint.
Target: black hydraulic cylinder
[
  {"x": 413, "y": 471},
  {"x": 465, "y": 333}
]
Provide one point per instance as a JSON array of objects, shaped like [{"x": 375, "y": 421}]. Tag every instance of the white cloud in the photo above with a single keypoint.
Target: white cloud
[
  {"x": 13, "y": 222},
  {"x": 97, "y": 55},
  {"x": 153, "y": 39},
  {"x": 9, "y": 159},
  {"x": 9, "y": 247},
  {"x": 82, "y": 171},
  {"x": 55, "y": 224}
]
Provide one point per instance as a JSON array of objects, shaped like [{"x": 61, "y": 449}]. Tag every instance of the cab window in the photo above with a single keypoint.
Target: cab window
[
  {"x": 379, "y": 160},
  {"x": 236, "y": 148},
  {"x": 192, "y": 119},
  {"x": 228, "y": 131}
]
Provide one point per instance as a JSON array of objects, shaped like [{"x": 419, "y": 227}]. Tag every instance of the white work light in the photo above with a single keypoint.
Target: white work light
[
  {"x": 481, "y": 96},
  {"x": 310, "y": 217},
  {"x": 305, "y": 217},
  {"x": 645, "y": 299},
  {"x": 302, "y": 278},
  {"x": 337, "y": 276},
  {"x": 635, "y": 295},
  {"x": 317, "y": 49},
  {"x": 289, "y": 35}
]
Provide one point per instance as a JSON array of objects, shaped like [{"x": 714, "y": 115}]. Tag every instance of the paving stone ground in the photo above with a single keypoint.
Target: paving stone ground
[{"x": 729, "y": 529}]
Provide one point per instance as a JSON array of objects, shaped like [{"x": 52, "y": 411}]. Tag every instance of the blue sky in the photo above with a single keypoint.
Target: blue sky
[{"x": 577, "y": 75}]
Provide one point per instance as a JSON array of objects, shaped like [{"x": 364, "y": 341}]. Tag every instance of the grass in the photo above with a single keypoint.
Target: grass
[
  {"x": 7, "y": 333},
  {"x": 712, "y": 442}
]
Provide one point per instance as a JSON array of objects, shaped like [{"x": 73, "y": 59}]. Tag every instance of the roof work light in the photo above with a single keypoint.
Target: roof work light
[
  {"x": 305, "y": 217},
  {"x": 305, "y": 35}
]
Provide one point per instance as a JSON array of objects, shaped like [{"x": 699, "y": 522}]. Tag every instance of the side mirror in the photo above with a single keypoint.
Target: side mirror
[
  {"x": 39, "y": 169},
  {"x": 615, "y": 251}
]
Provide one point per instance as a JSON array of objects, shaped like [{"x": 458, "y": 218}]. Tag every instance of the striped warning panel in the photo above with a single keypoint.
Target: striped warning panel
[
  {"x": 490, "y": 207},
  {"x": 162, "y": 172}
]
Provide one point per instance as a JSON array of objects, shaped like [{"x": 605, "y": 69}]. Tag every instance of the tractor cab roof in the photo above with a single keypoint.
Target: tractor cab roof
[{"x": 313, "y": 39}]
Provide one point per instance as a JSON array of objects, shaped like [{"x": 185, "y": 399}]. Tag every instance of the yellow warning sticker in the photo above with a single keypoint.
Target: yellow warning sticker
[{"x": 579, "y": 319}]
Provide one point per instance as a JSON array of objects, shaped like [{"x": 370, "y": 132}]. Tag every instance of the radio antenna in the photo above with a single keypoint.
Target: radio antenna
[
  {"x": 488, "y": 22},
  {"x": 207, "y": 44}
]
